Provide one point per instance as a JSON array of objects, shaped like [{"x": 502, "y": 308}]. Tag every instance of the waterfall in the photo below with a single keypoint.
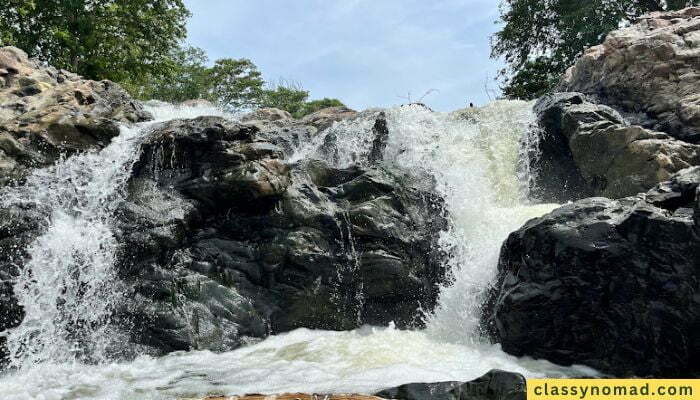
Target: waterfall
[
  {"x": 70, "y": 292},
  {"x": 474, "y": 158},
  {"x": 68, "y": 286}
]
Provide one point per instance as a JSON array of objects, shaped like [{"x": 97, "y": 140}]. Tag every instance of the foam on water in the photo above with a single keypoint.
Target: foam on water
[
  {"x": 362, "y": 360},
  {"x": 471, "y": 157}
]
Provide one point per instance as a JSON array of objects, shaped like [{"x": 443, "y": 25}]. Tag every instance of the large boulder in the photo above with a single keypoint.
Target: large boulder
[
  {"x": 494, "y": 385},
  {"x": 588, "y": 149},
  {"x": 613, "y": 284},
  {"x": 45, "y": 112},
  {"x": 326, "y": 117},
  {"x": 649, "y": 71},
  {"x": 226, "y": 241}
]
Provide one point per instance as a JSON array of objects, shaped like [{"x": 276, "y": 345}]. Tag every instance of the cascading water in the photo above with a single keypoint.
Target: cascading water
[
  {"x": 472, "y": 158},
  {"x": 67, "y": 288}
]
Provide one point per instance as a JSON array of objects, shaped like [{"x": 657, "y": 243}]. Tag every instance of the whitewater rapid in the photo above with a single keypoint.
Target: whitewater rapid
[{"x": 473, "y": 159}]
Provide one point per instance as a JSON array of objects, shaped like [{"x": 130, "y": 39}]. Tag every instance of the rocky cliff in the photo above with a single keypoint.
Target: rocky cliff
[
  {"x": 46, "y": 113},
  {"x": 613, "y": 282},
  {"x": 627, "y": 114},
  {"x": 226, "y": 241}
]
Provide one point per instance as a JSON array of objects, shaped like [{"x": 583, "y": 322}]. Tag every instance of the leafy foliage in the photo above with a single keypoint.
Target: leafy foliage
[
  {"x": 236, "y": 84},
  {"x": 540, "y": 39},
  {"x": 316, "y": 105},
  {"x": 120, "y": 40},
  {"x": 292, "y": 98},
  {"x": 137, "y": 43},
  {"x": 288, "y": 96},
  {"x": 186, "y": 78}
]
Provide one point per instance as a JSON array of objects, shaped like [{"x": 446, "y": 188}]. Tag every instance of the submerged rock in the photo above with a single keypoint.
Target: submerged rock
[
  {"x": 226, "y": 241},
  {"x": 45, "y": 112},
  {"x": 612, "y": 284},
  {"x": 494, "y": 385},
  {"x": 649, "y": 71},
  {"x": 588, "y": 149}
]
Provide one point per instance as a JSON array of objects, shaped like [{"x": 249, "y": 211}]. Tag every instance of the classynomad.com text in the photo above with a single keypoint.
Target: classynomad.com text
[{"x": 613, "y": 389}]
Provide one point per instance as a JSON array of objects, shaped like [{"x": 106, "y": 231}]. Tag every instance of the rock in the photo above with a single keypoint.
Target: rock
[
  {"x": 45, "y": 112},
  {"x": 267, "y": 114},
  {"x": 494, "y": 385},
  {"x": 197, "y": 103},
  {"x": 18, "y": 226},
  {"x": 324, "y": 118},
  {"x": 588, "y": 149},
  {"x": 612, "y": 284},
  {"x": 227, "y": 242},
  {"x": 292, "y": 396},
  {"x": 648, "y": 71},
  {"x": 372, "y": 121}
]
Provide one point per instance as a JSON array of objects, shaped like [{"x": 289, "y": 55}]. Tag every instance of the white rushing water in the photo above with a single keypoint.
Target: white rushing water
[{"x": 473, "y": 160}]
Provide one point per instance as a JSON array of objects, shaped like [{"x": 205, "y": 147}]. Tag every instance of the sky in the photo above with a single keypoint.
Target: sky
[{"x": 367, "y": 53}]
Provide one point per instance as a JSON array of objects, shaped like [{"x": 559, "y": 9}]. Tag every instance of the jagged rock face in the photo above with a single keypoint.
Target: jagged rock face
[
  {"x": 226, "y": 241},
  {"x": 45, "y": 112},
  {"x": 588, "y": 149},
  {"x": 649, "y": 71},
  {"x": 608, "y": 283},
  {"x": 494, "y": 385}
]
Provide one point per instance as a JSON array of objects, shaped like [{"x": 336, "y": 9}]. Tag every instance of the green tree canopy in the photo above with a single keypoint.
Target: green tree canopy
[
  {"x": 236, "y": 84},
  {"x": 121, "y": 40},
  {"x": 187, "y": 77},
  {"x": 291, "y": 97},
  {"x": 315, "y": 105},
  {"x": 540, "y": 39},
  {"x": 233, "y": 84},
  {"x": 288, "y": 96}
]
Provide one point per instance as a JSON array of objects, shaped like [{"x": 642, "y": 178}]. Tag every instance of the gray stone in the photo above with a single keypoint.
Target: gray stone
[
  {"x": 649, "y": 71},
  {"x": 612, "y": 284},
  {"x": 588, "y": 149}
]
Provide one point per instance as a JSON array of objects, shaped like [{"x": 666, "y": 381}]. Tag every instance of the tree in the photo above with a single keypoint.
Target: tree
[
  {"x": 120, "y": 40},
  {"x": 315, "y": 105},
  {"x": 540, "y": 39},
  {"x": 288, "y": 96},
  {"x": 236, "y": 83},
  {"x": 534, "y": 79},
  {"x": 186, "y": 78},
  {"x": 291, "y": 97}
]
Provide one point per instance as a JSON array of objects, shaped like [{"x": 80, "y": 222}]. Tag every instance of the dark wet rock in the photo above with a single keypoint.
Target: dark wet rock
[
  {"x": 588, "y": 149},
  {"x": 225, "y": 241},
  {"x": 494, "y": 385},
  {"x": 18, "y": 226},
  {"x": 374, "y": 123},
  {"x": 45, "y": 112},
  {"x": 608, "y": 283}
]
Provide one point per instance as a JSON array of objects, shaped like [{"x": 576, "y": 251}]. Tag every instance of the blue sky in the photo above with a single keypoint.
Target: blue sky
[{"x": 368, "y": 53}]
